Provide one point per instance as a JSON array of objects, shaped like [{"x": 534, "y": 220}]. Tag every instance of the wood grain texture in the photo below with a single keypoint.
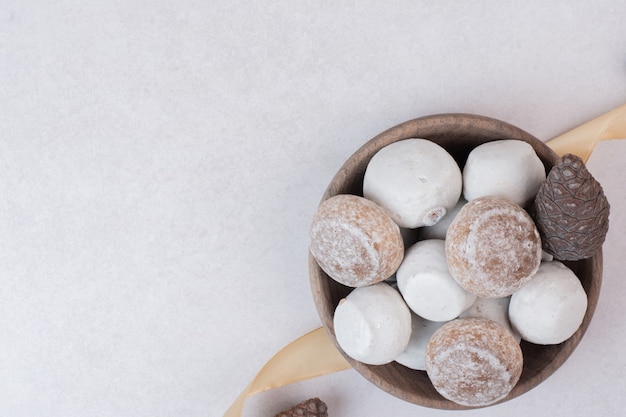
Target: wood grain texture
[{"x": 458, "y": 134}]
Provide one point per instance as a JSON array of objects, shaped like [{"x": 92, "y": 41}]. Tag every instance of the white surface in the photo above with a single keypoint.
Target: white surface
[{"x": 160, "y": 163}]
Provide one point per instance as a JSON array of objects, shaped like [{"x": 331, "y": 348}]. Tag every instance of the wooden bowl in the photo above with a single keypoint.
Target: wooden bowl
[{"x": 458, "y": 134}]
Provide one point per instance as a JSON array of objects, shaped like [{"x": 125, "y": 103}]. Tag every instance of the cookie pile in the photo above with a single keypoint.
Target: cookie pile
[{"x": 484, "y": 273}]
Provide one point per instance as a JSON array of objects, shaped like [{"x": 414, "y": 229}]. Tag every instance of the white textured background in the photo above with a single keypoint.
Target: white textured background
[{"x": 160, "y": 162}]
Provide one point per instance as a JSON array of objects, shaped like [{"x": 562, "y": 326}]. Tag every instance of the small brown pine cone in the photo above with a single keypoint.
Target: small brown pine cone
[
  {"x": 313, "y": 407},
  {"x": 571, "y": 211}
]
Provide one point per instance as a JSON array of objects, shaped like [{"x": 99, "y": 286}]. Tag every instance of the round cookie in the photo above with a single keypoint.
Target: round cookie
[
  {"x": 354, "y": 241},
  {"x": 493, "y": 247},
  {"x": 438, "y": 231},
  {"x": 508, "y": 168},
  {"x": 426, "y": 284},
  {"x": 495, "y": 309},
  {"x": 551, "y": 307},
  {"x": 373, "y": 324},
  {"x": 473, "y": 361},
  {"x": 415, "y": 180},
  {"x": 414, "y": 356}
]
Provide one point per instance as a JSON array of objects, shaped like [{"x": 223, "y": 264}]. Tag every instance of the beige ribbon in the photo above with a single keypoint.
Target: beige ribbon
[
  {"x": 581, "y": 140},
  {"x": 314, "y": 354},
  {"x": 307, "y": 357}
]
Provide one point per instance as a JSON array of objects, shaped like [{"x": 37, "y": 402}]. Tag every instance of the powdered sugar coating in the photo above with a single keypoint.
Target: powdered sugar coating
[
  {"x": 495, "y": 309},
  {"x": 508, "y": 168},
  {"x": 438, "y": 231},
  {"x": 354, "y": 241},
  {"x": 414, "y": 356},
  {"x": 551, "y": 307},
  {"x": 493, "y": 247},
  {"x": 426, "y": 284},
  {"x": 473, "y": 361},
  {"x": 373, "y": 324},
  {"x": 417, "y": 181}
]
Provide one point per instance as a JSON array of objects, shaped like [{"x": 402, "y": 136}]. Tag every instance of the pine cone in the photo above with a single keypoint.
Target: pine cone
[
  {"x": 313, "y": 407},
  {"x": 571, "y": 211}
]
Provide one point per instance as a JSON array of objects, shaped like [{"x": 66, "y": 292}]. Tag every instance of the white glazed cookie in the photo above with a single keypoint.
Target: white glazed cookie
[
  {"x": 493, "y": 247},
  {"x": 495, "y": 309},
  {"x": 426, "y": 284},
  {"x": 438, "y": 231},
  {"x": 354, "y": 241},
  {"x": 473, "y": 361},
  {"x": 551, "y": 307},
  {"x": 415, "y": 180},
  {"x": 508, "y": 168},
  {"x": 414, "y": 356},
  {"x": 373, "y": 324}
]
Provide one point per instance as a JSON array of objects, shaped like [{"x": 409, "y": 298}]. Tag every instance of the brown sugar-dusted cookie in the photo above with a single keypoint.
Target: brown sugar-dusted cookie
[
  {"x": 493, "y": 247},
  {"x": 571, "y": 211},
  {"x": 354, "y": 241},
  {"x": 473, "y": 361}
]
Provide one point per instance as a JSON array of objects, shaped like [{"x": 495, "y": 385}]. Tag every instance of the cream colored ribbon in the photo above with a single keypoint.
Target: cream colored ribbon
[
  {"x": 314, "y": 354},
  {"x": 306, "y": 357},
  {"x": 581, "y": 140}
]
